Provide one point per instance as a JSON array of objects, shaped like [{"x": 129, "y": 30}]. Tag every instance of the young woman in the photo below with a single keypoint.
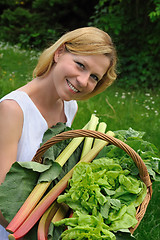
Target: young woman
[{"x": 79, "y": 65}]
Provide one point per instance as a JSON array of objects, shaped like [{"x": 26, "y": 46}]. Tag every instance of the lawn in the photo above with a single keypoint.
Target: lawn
[
  {"x": 16, "y": 67},
  {"x": 122, "y": 109},
  {"x": 119, "y": 108}
]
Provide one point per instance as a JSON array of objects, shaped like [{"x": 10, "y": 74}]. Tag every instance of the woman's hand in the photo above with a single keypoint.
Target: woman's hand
[{"x": 3, "y": 221}]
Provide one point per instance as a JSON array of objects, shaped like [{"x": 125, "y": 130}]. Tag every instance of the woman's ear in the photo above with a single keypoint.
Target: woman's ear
[{"x": 59, "y": 52}]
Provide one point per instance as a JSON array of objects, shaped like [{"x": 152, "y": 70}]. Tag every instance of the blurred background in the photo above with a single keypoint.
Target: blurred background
[{"x": 29, "y": 26}]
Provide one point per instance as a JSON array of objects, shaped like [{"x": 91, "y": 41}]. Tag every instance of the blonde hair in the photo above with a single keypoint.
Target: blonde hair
[{"x": 82, "y": 41}]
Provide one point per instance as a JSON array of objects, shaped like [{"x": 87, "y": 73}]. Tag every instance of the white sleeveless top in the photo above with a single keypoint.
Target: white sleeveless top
[{"x": 34, "y": 127}]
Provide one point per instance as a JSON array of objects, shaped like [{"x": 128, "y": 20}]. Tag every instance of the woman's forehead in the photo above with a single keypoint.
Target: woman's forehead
[{"x": 99, "y": 62}]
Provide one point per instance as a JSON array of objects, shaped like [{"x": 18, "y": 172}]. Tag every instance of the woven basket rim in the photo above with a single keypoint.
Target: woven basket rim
[{"x": 143, "y": 173}]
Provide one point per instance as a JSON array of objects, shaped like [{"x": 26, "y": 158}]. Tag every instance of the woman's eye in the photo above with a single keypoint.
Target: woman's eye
[
  {"x": 95, "y": 77},
  {"x": 80, "y": 65}
]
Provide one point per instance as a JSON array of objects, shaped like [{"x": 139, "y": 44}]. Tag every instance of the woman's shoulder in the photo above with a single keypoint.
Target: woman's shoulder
[
  {"x": 14, "y": 95},
  {"x": 9, "y": 106},
  {"x": 10, "y": 111},
  {"x": 17, "y": 98}
]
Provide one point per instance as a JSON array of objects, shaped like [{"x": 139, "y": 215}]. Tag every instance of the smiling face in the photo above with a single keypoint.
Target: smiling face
[{"x": 74, "y": 76}]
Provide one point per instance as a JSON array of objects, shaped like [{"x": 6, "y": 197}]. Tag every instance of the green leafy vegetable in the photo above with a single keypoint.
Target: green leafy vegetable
[
  {"x": 23, "y": 176},
  {"x": 109, "y": 188},
  {"x": 83, "y": 226},
  {"x": 102, "y": 188},
  {"x": 16, "y": 184},
  {"x": 123, "y": 219},
  {"x": 147, "y": 151}
]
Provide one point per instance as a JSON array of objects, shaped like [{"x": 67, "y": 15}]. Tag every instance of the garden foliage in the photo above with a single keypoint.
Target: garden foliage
[
  {"x": 134, "y": 26},
  {"x": 37, "y": 23}
]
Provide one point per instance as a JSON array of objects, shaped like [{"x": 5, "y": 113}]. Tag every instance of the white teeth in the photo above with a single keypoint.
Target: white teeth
[{"x": 72, "y": 87}]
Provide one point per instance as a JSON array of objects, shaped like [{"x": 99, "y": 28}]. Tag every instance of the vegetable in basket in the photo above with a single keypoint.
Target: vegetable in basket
[
  {"x": 122, "y": 197},
  {"x": 101, "y": 188},
  {"x": 52, "y": 195}
]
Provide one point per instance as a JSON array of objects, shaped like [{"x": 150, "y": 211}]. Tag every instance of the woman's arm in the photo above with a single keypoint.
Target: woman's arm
[{"x": 11, "y": 123}]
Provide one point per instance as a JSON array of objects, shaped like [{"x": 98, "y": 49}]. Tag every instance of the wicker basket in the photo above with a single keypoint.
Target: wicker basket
[{"x": 143, "y": 173}]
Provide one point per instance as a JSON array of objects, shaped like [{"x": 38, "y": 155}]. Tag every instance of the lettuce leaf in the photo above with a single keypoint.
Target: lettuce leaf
[
  {"x": 124, "y": 218},
  {"x": 101, "y": 188},
  {"x": 83, "y": 226}
]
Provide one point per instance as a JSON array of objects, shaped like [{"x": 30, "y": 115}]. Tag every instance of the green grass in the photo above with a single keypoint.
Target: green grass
[
  {"x": 119, "y": 108},
  {"x": 16, "y": 67},
  {"x": 123, "y": 109}
]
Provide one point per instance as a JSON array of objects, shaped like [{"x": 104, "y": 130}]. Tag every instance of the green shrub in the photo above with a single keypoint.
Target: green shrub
[
  {"x": 136, "y": 36},
  {"x": 38, "y": 23},
  {"x": 21, "y": 26}
]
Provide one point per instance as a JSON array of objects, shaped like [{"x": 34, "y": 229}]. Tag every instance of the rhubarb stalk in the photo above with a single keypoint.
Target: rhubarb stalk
[
  {"x": 54, "y": 213},
  {"x": 101, "y": 128},
  {"x": 89, "y": 140},
  {"x": 61, "y": 213},
  {"x": 41, "y": 188},
  {"x": 28, "y": 206},
  {"x": 45, "y": 221},
  {"x": 52, "y": 195}
]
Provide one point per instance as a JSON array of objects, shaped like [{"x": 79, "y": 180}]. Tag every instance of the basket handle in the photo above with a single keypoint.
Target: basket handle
[{"x": 95, "y": 134}]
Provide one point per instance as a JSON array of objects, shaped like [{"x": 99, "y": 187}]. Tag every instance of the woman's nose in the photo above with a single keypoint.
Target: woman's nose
[{"x": 83, "y": 79}]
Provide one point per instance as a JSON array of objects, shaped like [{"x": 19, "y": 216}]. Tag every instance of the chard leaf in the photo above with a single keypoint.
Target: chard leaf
[
  {"x": 35, "y": 166},
  {"x": 55, "y": 232},
  {"x": 51, "y": 154},
  {"x": 139, "y": 145},
  {"x": 153, "y": 167},
  {"x": 51, "y": 173},
  {"x": 58, "y": 128},
  {"x": 148, "y": 152},
  {"x": 20, "y": 181},
  {"x": 129, "y": 133},
  {"x": 18, "y": 185}
]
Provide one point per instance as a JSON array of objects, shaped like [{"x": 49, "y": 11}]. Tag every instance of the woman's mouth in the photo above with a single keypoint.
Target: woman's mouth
[{"x": 72, "y": 87}]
